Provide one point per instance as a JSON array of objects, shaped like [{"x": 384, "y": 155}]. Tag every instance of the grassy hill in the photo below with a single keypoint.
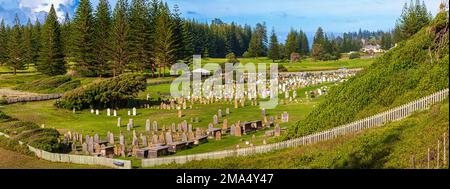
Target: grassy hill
[
  {"x": 390, "y": 146},
  {"x": 415, "y": 68}
]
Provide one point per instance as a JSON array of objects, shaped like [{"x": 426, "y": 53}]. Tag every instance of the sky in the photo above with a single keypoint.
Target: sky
[{"x": 334, "y": 16}]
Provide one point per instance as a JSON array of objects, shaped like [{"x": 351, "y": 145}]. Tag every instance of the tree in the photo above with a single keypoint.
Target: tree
[
  {"x": 164, "y": 41},
  {"x": 51, "y": 56},
  {"x": 15, "y": 58},
  {"x": 66, "y": 34},
  {"x": 274, "y": 50},
  {"x": 292, "y": 44},
  {"x": 83, "y": 39},
  {"x": 36, "y": 40},
  {"x": 386, "y": 41},
  {"x": 319, "y": 48},
  {"x": 119, "y": 38},
  {"x": 139, "y": 36},
  {"x": 304, "y": 45},
  {"x": 3, "y": 43},
  {"x": 414, "y": 17},
  {"x": 27, "y": 46},
  {"x": 258, "y": 41},
  {"x": 102, "y": 38}
]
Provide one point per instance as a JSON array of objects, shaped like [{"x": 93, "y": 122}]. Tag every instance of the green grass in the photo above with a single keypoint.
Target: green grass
[
  {"x": 390, "y": 146},
  {"x": 304, "y": 65}
]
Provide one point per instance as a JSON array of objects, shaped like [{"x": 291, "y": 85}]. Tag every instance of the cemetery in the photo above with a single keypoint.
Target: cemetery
[{"x": 156, "y": 125}]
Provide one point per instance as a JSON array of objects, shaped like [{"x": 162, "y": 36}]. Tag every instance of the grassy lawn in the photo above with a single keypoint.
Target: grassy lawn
[{"x": 304, "y": 65}]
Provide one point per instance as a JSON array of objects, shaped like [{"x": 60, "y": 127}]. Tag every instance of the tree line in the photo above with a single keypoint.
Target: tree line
[{"x": 148, "y": 36}]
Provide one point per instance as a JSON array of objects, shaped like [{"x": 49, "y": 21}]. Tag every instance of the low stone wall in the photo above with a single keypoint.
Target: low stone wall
[{"x": 33, "y": 98}]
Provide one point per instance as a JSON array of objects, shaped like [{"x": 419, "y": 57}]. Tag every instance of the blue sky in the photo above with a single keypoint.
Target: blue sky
[{"x": 334, "y": 16}]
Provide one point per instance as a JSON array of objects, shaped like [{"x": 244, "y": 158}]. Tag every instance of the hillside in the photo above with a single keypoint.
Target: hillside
[
  {"x": 390, "y": 146},
  {"x": 415, "y": 68}
]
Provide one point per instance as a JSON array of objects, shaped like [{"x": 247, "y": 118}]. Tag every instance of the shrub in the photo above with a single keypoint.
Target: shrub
[
  {"x": 113, "y": 92},
  {"x": 246, "y": 54},
  {"x": 231, "y": 58},
  {"x": 354, "y": 55}
]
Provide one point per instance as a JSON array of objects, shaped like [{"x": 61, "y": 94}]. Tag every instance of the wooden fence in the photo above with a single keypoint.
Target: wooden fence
[
  {"x": 80, "y": 159},
  {"x": 369, "y": 122},
  {"x": 33, "y": 98}
]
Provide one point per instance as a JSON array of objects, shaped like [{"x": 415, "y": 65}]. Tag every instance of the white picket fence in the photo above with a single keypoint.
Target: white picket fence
[
  {"x": 80, "y": 159},
  {"x": 370, "y": 122},
  {"x": 34, "y": 98}
]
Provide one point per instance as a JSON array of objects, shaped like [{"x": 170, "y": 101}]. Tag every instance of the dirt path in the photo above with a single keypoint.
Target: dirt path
[{"x": 14, "y": 93}]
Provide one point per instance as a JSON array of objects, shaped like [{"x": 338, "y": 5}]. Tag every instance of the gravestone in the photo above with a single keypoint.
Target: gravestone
[
  {"x": 155, "y": 139},
  {"x": 130, "y": 121},
  {"x": 225, "y": 125},
  {"x": 215, "y": 120},
  {"x": 129, "y": 113},
  {"x": 155, "y": 125},
  {"x": 73, "y": 110},
  {"x": 219, "y": 113},
  {"x": 180, "y": 113},
  {"x": 111, "y": 138},
  {"x": 227, "y": 111},
  {"x": 263, "y": 112},
  {"x": 147, "y": 125},
  {"x": 121, "y": 140},
  {"x": 277, "y": 131},
  {"x": 172, "y": 128},
  {"x": 210, "y": 128},
  {"x": 96, "y": 138},
  {"x": 84, "y": 148},
  {"x": 184, "y": 137},
  {"x": 115, "y": 113},
  {"x": 238, "y": 130},
  {"x": 190, "y": 128},
  {"x": 97, "y": 112},
  {"x": 92, "y": 111},
  {"x": 218, "y": 135},
  {"x": 179, "y": 128},
  {"x": 108, "y": 112},
  {"x": 134, "y": 111},
  {"x": 198, "y": 133},
  {"x": 118, "y": 122},
  {"x": 169, "y": 138},
  {"x": 232, "y": 130}
]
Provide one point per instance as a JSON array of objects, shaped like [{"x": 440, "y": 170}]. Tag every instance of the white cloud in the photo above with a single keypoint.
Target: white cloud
[{"x": 33, "y": 9}]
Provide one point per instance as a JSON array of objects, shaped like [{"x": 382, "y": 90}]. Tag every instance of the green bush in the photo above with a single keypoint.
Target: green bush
[
  {"x": 405, "y": 73},
  {"x": 55, "y": 84},
  {"x": 354, "y": 55},
  {"x": 113, "y": 92}
]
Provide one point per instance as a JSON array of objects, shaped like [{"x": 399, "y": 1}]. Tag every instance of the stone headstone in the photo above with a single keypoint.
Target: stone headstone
[
  {"x": 219, "y": 113},
  {"x": 180, "y": 113},
  {"x": 189, "y": 128},
  {"x": 232, "y": 130},
  {"x": 147, "y": 125},
  {"x": 118, "y": 122},
  {"x": 129, "y": 113},
  {"x": 263, "y": 112},
  {"x": 111, "y": 138},
  {"x": 121, "y": 140},
  {"x": 84, "y": 148},
  {"x": 215, "y": 120},
  {"x": 96, "y": 138},
  {"x": 218, "y": 135},
  {"x": 155, "y": 139},
  {"x": 108, "y": 112},
  {"x": 227, "y": 111},
  {"x": 238, "y": 130},
  {"x": 277, "y": 131},
  {"x": 97, "y": 112},
  {"x": 184, "y": 137},
  {"x": 169, "y": 138},
  {"x": 115, "y": 113},
  {"x": 155, "y": 125},
  {"x": 134, "y": 111},
  {"x": 92, "y": 111}
]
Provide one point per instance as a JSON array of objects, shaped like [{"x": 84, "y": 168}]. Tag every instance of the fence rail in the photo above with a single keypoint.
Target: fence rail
[
  {"x": 33, "y": 98},
  {"x": 80, "y": 159},
  {"x": 369, "y": 122}
]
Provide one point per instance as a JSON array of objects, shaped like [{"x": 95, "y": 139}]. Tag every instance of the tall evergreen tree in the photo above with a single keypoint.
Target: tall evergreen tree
[
  {"x": 66, "y": 34},
  {"x": 178, "y": 35},
  {"x": 15, "y": 58},
  {"x": 292, "y": 44},
  {"x": 258, "y": 41},
  {"x": 119, "y": 38},
  {"x": 3, "y": 43},
  {"x": 83, "y": 39},
  {"x": 27, "y": 40},
  {"x": 139, "y": 36},
  {"x": 414, "y": 17},
  {"x": 51, "y": 59},
  {"x": 102, "y": 38},
  {"x": 274, "y": 49},
  {"x": 36, "y": 40},
  {"x": 164, "y": 40}
]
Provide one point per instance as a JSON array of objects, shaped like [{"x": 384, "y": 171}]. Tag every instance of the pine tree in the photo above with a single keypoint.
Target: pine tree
[
  {"x": 3, "y": 43},
  {"x": 139, "y": 36},
  {"x": 51, "y": 59},
  {"x": 102, "y": 37},
  {"x": 414, "y": 17},
  {"x": 274, "y": 50},
  {"x": 27, "y": 47},
  {"x": 178, "y": 35},
  {"x": 83, "y": 39},
  {"x": 258, "y": 41},
  {"x": 304, "y": 46},
  {"x": 119, "y": 38},
  {"x": 36, "y": 40},
  {"x": 66, "y": 33},
  {"x": 320, "y": 45},
  {"x": 164, "y": 51},
  {"x": 15, "y": 58},
  {"x": 292, "y": 44}
]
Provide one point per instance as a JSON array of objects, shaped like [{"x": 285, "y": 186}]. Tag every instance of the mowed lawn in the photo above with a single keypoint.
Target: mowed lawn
[
  {"x": 305, "y": 65},
  {"x": 14, "y": 160}
]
